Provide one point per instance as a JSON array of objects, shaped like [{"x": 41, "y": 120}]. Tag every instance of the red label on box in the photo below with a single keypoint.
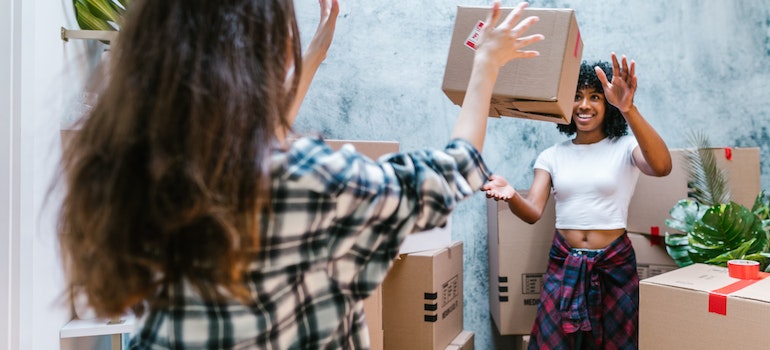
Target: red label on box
[{"x": 473, "y": 38}]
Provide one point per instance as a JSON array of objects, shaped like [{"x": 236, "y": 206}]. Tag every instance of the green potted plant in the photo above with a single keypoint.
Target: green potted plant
[
  {"x": 97, "y": 19},
  {"x": 100, "y": 14},
  {"x": 712, "y": 229}
]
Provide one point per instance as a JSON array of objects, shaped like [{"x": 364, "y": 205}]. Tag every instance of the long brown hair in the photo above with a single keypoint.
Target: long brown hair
[{"x": 167, "y": 177}]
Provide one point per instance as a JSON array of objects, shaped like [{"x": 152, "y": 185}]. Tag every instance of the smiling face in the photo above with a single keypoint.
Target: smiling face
[{"x": 588, "y": 113}]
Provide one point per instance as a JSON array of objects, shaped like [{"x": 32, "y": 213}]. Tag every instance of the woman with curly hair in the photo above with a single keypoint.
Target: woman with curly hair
[
  {"x": 590, "y": 298},
  {"x": 189, "y": 200}
]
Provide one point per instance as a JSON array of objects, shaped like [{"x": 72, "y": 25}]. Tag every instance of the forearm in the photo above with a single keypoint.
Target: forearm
[
  {"x": 310, "y": 64},
  {"x": 653, "y": 147},
  {"x": 524, "y": 208},
  {"x": 471, "y": 124}
]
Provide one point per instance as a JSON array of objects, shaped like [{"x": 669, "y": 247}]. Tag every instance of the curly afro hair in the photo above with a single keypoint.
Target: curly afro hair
[{"x": 614, "y": 124}]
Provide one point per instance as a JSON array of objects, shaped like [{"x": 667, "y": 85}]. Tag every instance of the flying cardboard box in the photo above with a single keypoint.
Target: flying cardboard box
[
  {"x": 422, "y": 299},
  {"x": 655, "y": 196},
  {"x": 539, "y": 88},
  {"x": 518, "y": 259},
  {"x": 701, "y": 307},
  {"x": 436, "y": 238}
]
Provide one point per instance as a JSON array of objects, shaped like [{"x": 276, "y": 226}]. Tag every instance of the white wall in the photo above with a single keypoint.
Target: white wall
[
  {"x": 8, "y": 298},
  {"x": 31, "y": 101}
]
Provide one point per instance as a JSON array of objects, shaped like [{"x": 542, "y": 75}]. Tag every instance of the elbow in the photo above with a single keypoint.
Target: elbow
[
  {"x": 663, "y": 170},
  {"x": 531, "y": 219}
]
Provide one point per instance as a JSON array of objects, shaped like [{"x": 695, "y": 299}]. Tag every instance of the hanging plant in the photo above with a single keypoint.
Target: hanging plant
[
  {"x": 712, "y": 228},
  {"x": 100, "y": 14}
]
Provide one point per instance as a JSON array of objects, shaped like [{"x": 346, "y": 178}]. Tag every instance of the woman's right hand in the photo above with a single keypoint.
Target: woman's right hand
[{"x": 498, "y": 188}]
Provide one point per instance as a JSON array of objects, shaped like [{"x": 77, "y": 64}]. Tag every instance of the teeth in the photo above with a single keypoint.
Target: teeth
[{"x": 584, "y": 116}]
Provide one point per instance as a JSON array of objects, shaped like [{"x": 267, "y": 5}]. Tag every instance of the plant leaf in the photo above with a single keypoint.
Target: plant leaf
[
  {"x": 684, "y": 214},
  {"x": 87, "y": 21},
  {"x": 678, "y": 248},
  {"x": 727, "y": 230},
  {"x": 707, "y": 181}
]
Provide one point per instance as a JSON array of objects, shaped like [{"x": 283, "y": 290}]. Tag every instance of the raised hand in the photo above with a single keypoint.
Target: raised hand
[
  {"x": 503, "y": 42},
  {"x": 498, "y": 188},
  {"x": 620, "y": 91},
  {"x": 322, "y": 39}
]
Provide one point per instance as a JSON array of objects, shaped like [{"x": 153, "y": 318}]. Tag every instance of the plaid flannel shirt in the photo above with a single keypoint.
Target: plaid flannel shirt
[{"x": 337, "y": 221}]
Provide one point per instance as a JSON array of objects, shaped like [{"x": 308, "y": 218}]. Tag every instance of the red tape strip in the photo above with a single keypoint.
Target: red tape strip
[
  {"x": 577, "y": 45},
  {"x": 718, "y": 297},
  {"x": 728, "y": 153},
  {"x": 746, "y": 271},
  {"x": 655, "y": 238}
]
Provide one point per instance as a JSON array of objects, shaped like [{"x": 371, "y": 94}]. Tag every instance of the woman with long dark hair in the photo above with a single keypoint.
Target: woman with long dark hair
[{"x": 189, "y": 200}]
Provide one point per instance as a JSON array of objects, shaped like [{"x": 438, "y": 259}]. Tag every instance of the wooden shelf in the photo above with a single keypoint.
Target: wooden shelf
[{"x": 96, "y": 327}]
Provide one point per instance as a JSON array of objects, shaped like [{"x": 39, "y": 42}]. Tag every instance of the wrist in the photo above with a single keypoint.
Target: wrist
[{"x": 628, "y": 110}]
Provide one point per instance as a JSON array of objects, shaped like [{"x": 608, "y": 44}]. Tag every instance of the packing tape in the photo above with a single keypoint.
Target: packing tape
[
  {"x": 747, "y": 273},
  {"x": 743, "y": 269}
]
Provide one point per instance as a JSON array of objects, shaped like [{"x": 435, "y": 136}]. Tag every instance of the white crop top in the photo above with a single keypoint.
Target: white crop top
[{"x": 593, "y": 183}]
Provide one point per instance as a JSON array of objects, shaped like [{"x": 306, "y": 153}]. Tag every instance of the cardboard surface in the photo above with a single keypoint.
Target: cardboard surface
[
  {"x": 373, "y": 314},
  {"x": 655, "y": 196},
  {"x": 463, "y": 341},
  {"x": 423, "y": 299},
  {"x": 674, "y": 311},
  {"x": 420, "y": 241},
  {"x": 518, "y": 258},
  {"x": 539, "y": 88},
  {"x": 651, "y": 256}
]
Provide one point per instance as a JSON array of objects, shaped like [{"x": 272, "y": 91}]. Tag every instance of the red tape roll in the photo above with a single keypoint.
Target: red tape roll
[{"x": 743, "y": 269}]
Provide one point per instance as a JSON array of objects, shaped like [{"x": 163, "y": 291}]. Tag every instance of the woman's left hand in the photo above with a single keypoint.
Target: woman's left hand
[{"x": 620, "y": 91}]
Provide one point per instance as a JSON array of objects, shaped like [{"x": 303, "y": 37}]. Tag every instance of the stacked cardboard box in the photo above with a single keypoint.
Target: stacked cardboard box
[
  {"x": 422, "y": 299},
  {"x": 420, "y": 304},
  {"x": 539, "y": 88},
  {"x": 518, "y": 257},
  {"x": 655, "y": 196},
  {"x": 463, "y": 341},
  {"x": 701, "y": 307}
]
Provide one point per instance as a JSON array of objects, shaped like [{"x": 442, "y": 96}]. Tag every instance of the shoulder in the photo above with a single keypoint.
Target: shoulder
[
  {"x": 310, "y": 161},
  {"x": 627, "y": 142}
]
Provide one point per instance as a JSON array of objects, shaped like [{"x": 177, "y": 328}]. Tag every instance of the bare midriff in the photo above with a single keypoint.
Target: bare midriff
[{"x": 591, "y": 239}]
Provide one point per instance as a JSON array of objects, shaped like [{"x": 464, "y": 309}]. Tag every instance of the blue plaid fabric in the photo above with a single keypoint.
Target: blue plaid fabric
[
  {"x": 590, "y": 300},
  {"x": 338, "y": 220}
]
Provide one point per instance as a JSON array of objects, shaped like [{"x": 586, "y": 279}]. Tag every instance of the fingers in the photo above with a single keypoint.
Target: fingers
[
  {"x": 494, "y": 15},
  {"x": 603, "y": 77},
  {"x": 513, "y": 17},
  {"x": 329, "y": 10}
]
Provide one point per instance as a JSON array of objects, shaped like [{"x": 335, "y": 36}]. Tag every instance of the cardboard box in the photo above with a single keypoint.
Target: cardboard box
[
  {"x": 420, "y": 241},
  {"x": 539, "y": 88},
  {"x": 674, "y": 311},
  {"x": 652, "y": 259},
  {"x": 518, "y": 259},
  {"x": 422, "y": 299},
  {"x": 463, "y": 341},
  {"x": 373, "y": 314},
  {"x": 655, "y": 196},
  {"x": 507, "y": 342}
]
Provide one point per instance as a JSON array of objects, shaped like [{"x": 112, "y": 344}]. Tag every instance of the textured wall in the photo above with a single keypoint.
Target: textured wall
[{"x": 702, "y": 65}]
